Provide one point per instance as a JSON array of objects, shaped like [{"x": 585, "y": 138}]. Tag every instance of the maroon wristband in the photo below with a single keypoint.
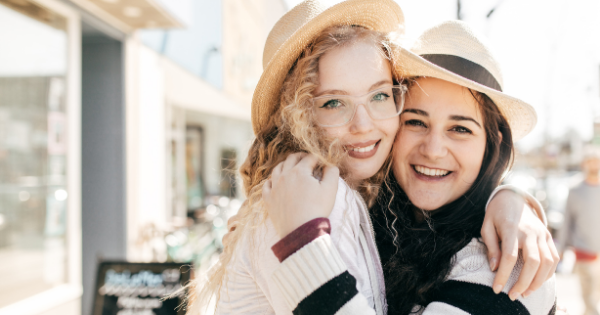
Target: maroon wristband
[{"x": 301, "y": 236}]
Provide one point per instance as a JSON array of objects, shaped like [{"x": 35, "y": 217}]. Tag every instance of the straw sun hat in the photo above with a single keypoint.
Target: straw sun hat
[
  {"x": 298, "y": 28},
  {"x": 450, "y": 51}
]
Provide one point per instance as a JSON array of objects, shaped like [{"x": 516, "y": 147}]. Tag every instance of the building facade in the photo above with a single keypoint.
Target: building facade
[{"x": 119, "y": 121}]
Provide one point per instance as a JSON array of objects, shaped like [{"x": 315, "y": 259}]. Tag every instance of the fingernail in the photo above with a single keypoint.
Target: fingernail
[
  {"x": 513, "y": 296},
  {"x": 493, "y": 263},
  {"x": 527, "y": 293},
  {"x": 497, "y": 288}
]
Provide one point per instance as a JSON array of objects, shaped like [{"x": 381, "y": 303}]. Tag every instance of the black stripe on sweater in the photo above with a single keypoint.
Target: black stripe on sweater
[
  {"x": 330, "y": 297},
  {"x": 553, "y": 310},
  {"x": 478, "y": 299}
]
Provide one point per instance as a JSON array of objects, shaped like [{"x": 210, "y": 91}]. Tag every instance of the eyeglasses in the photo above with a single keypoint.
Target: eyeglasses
[{"x": 338, "y": 110}]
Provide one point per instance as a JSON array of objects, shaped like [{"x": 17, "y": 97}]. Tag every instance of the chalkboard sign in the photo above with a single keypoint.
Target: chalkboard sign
[{"x": 124, "y": 288}]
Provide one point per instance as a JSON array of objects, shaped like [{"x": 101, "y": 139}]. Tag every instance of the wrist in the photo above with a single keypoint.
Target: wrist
[
  {"x": 531, "y": 202},
  {"x": 295, "y": 224}
]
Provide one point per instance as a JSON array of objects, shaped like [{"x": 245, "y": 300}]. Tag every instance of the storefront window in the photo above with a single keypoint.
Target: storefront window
[
  {"x": 33, "y": 150},
  {"x": 193, "y": 168},
  {"x": 228, "y": 172}
]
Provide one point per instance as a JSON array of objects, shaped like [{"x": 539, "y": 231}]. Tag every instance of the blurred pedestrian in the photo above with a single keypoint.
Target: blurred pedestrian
[{"x": 580, "y": 229}]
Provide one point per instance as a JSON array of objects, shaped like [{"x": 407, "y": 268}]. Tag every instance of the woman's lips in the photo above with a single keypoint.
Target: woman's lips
[
  {"x": 363, "y": 150},
  {"x": 430, "y": 174}
]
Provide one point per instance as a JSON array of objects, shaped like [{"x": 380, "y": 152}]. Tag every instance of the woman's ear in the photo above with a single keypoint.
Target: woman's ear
[{"x": 500, "y": 136}]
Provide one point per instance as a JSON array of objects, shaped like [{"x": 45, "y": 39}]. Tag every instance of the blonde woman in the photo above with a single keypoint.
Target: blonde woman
[{"x": 312, "y": 52}]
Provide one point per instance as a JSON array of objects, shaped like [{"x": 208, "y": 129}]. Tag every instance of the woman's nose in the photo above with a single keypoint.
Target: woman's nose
[
  {"x": 434, "y": 146},
  {"x": 362, "y": 121}
]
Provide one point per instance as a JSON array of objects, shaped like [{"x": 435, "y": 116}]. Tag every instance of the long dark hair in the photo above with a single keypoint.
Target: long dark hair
[{"x": 417, "y": 254}]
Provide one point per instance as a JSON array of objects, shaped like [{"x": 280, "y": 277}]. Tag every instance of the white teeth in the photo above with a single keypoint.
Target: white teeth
[
  {"x": 365, "y": 149},
  {"x": 430, "y": 171}
]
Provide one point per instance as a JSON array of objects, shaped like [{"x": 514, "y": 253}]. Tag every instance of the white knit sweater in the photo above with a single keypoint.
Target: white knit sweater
[
  {"x": 258, "y": 283},
  {"x": 468, "y": 287},
  {"x": 251, "y": 289}
]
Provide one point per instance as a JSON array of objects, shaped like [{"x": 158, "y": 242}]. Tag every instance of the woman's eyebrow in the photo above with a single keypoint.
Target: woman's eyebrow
[
  {"x": 416, "y": 111},
  {"x": 459, "y": 118},
  {"x": 342, "y": 92},
  {"x": 380, "y": 83},
  {"x": 332, "y": 92}
]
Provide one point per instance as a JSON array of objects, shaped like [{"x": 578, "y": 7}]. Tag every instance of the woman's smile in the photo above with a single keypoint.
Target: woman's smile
[
  {"x": 430, "y": 173},
  {"x": 363, "y": 150}
]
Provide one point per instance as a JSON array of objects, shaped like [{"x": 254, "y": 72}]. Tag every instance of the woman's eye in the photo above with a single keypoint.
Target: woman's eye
[
  {"x": 461, "y": 129},
  {"x": 415, "y": 122},
  {"x": 380, "y": 96},
  {"x": 332, "y": 104}
]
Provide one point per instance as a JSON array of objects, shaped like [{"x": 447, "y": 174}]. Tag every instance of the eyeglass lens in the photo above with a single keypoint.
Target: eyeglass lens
[{"x": 337, "y": 110}]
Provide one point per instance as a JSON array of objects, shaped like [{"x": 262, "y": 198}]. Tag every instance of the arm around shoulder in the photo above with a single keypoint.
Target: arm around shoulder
[{"x": 468, "y": 289}]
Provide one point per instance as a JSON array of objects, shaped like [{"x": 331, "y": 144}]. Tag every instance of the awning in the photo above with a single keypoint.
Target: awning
[
  {"x": 187, "y": 91},
  {"x": 134, "y": 14}
]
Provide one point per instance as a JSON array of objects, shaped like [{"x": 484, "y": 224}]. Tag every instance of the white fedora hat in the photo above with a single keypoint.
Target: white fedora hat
[
  {"x": 452, "y": 52},
  {"x": 299, "y": 28}
]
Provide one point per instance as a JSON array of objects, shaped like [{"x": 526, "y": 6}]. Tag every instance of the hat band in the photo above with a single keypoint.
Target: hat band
[{"x": 465, "y": 68}]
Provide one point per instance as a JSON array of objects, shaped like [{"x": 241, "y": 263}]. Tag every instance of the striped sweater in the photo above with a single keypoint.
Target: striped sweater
[
  {"x": 250, "y": 287},
  {"x": 314, "y": 278},
  {"x": 264, "y": 278}
]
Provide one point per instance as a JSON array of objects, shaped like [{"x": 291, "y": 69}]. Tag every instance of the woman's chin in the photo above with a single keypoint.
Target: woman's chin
[
  {"x": 428, "y": 207},
  {"x": 359, "y": 174},
  {"x": 427, "y": 201}
]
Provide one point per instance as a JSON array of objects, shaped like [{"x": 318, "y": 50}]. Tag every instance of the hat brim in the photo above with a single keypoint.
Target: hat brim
[
  {"x": 521, "y": 116},
  {"x": 378, "y": 15}
]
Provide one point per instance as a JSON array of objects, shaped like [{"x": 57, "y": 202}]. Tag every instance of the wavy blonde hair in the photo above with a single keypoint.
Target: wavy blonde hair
[{"x": 291, "y": 128}]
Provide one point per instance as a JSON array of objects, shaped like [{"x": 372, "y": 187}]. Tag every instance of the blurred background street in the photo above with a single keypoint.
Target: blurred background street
[
  {"x": 123, "y": 124},
  {"x": 569, "y": 294}
]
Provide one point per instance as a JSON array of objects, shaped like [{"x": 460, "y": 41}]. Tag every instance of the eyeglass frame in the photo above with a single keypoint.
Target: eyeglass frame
[{"x": 403, "y": 88}]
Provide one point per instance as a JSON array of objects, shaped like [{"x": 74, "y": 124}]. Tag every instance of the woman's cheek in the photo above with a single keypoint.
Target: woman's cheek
[
  {"x": 473, "y": 158},
  {"x": 336, "y": 132}
]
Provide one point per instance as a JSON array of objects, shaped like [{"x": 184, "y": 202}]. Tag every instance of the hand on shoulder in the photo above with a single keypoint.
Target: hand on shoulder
[{"x": 294, "y": 195}]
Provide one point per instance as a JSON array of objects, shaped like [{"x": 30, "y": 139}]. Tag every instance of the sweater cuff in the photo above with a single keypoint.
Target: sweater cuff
[
  {"x": 301, "y": 236},
  {"x": 307, "y": 270}
]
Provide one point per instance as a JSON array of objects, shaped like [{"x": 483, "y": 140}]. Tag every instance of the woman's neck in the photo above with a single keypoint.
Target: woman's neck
[
  {"x": 354, "y": 183},
  {"x": 419, "y": 215}
]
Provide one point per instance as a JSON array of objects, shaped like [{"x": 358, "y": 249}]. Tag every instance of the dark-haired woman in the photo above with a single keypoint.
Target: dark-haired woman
[{"x": 454, "y": 146}]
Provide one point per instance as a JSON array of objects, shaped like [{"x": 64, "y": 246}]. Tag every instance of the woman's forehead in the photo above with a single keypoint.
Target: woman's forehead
[
  {"x": 442, "y": 97},
  {"x": 352, "y": 68}
]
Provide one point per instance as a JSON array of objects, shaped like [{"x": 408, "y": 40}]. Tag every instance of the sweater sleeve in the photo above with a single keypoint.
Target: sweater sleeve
[
  {"x": 301, "y": 236},
  {"x": 315, "y": 280},
  {"x": 456, "y": 298},
  {"x": 243, "y": 290},
  {"x": 471, "y": 277}
]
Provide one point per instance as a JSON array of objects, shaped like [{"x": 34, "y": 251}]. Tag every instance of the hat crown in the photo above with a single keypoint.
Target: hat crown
[
  {"x": 457, "y": 39},
  {"x": 288, "y": 24}
]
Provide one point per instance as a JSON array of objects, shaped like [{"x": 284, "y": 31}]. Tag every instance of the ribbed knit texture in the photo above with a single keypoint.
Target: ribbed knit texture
[
  {"x": 308, "y": 269},
  {"x": 469, "y": 285},
  {"x": 301, "y": 236},
  {"x": 250, "y": 288},
  {"x": 357, "y": 303}
]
